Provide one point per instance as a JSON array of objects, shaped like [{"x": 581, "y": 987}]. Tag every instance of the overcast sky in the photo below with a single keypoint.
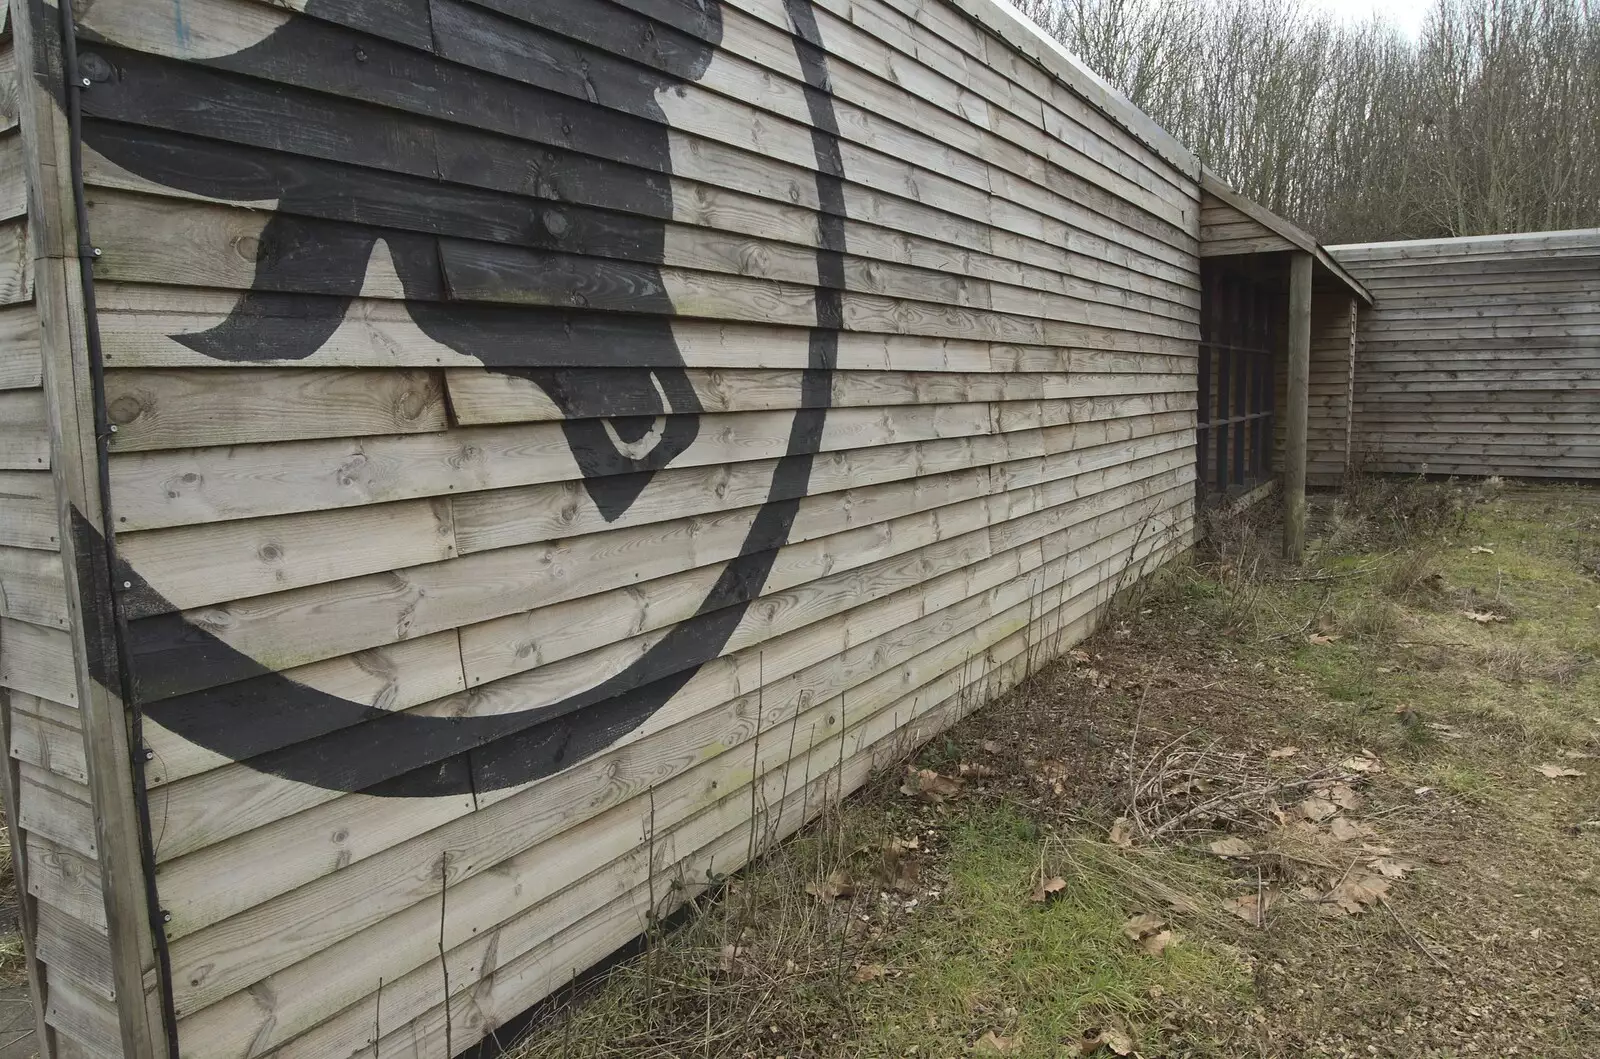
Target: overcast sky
[{"x": 1407, "y": 14}]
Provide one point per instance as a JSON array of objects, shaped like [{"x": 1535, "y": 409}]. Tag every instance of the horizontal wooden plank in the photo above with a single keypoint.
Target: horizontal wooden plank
[
  {"x": 37, "y": 660},
  {"x": 1269, "y": 244},
  {"x": 13, "y": 176},
  {"x": 24, "y": 430},
  {"x": 184, "y": 409},
  {"x": 478, "y": 397},
  {"x": 46, "y": 745},
  {"x": 91, "y": 1019},
  {"x": 72, "y": 948},
  {"x": 64, "y": 820},
  {"x": 151, "y": 490},
  {"x": 45, "y": 709},
  {"x": 191, "y": 566},
  {"x": 16, "y": 262},
  {"x": 66, "y": 880},
  {"x": 139, "y": 322},
  {"x": 502, "y": 518},
  {"x": 1542, "y": 244},
  {"x": 8, "y": 87},
  {"x": 20, "y": 364},
  {"x": 28, "y": 516},
  {"x": 394, "y": 677},
  {"x": 175, "y": 241},
  {"x": 33, "y": 587}
]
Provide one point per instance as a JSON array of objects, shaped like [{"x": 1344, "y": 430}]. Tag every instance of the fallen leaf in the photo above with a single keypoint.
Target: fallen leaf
[
  {"x": 1577, "y": 755},
  {"x": 971, "y": 769},
  {"x": 1052, "y": 769},
  {"x": 1344, "y": 829},
  {"x": 993, "y": 1044},
  {"x": 1122, "y": 833},
  {"x": 905, "y": 880},
  {"x": 1343, "y": 796},
  {"x": 991, "y": 747},
  {"x": 832, "y": 888},
  {"x": 1158, "y": 943},
  {"x": 1318, "y": 809},
  {"x": 1354, "y": 893},
  {"x": 1142, "y": 926},
  {"x": 1048, "y": 889},
  {"x": 1478, "y": 549},
  {"x": 1391, "y": 868},
  {"x": 1556, "y": 772},
  {"x": 1306, "y": 831},
  {"x": 731, "y": 955},
  {"x": 869, "y": 971},
  {"x": 1483, "y": 617},
  {"x": 1322, "y": 639},
  {"x": 1366, "y": 761},
  {"x": 1284, "y": 751},
  {"x": 1114, "y": 1041},
  {"x": 929, "y": 786},
  {"x": 1252, "y": 908},
  {"x": 1231, "y": 847}
]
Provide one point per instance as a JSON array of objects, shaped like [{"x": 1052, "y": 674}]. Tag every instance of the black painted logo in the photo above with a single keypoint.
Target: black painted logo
[{"x": 614, "y": 370}]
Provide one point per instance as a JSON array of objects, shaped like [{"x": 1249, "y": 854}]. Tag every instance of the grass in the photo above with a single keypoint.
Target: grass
[
  {"x": 12, "y": 966},
  {"x": 893, "y": 969},
  {"x": 935, "y": 948}
]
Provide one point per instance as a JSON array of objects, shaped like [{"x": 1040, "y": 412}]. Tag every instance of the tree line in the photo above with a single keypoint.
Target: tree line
[{"x": 1488, "y": 122}]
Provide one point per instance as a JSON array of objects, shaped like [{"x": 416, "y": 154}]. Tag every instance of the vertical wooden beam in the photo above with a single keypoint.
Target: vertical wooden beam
[
  {"x": 64, "y": 324},
  {"x": 1228, "y": 303},
  {"x": 1241, "y": 379},
  {"x": 1294, "y": 449},
  {"x": 1350, "y": 387},
  {"x": 1208, "y": 332}
]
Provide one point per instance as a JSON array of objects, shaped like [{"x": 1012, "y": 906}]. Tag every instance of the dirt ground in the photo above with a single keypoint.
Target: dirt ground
[{"x": 1346, "y": 809}]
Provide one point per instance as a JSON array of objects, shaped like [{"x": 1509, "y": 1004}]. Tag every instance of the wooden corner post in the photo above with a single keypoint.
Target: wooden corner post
[
  {"x": 132, "y": 1021},
  {"x": 1299, "y": 394}
]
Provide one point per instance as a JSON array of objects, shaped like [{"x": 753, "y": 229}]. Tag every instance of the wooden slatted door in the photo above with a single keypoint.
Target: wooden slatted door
[{"x": 1241, "y": 339}]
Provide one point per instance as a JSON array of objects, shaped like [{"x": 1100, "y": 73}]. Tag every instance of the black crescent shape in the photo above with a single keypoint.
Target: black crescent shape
[{"x": 351, "y": 746}]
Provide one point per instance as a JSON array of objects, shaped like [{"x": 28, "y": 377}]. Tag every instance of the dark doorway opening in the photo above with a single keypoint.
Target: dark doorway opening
[{"x": 1241, "y": 346}]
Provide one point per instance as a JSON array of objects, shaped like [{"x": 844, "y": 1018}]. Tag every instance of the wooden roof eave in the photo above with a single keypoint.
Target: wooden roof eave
[{"x": 1299, "y": 237}]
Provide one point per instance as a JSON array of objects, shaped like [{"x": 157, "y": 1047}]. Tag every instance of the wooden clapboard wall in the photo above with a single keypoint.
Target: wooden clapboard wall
[
  {"x": 56, "y": 851},
  {"x": 547, "y": 429},
  {"x": 1334, "y": 316},
  {"x": 1226, "y": 230},
  {"x": 1481, "y": 356}
]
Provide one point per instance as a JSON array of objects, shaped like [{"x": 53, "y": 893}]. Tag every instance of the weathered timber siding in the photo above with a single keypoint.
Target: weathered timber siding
[
  {"x": 546, "y": 429},
  {"x": 1226, "y": 231},
  {"x": 1481, "y": 356},
  {"x": 1333, "y": 336},
  {"x": 55, "y": 848}
]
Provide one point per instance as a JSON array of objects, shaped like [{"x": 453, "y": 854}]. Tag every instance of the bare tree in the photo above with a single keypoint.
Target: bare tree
[{"x": 1489, "y": 122}]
